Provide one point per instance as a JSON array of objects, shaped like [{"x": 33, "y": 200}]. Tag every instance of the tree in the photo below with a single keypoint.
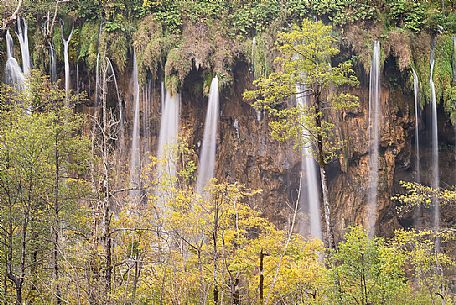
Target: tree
[
  {"x": 305, "y": 72},
  {"x": 367, "y": 271},
  {"x": 9, "y": 12},
  {"x": 400, "y": 270},
  {"x": 41, "y": 157}
]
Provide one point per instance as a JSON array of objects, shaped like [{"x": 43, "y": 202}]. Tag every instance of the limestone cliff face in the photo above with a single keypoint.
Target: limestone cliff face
[{"x": 247, "y": 154}]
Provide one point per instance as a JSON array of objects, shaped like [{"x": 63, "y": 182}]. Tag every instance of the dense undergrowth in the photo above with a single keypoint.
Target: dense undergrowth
[{"x": 64, "y": 241}]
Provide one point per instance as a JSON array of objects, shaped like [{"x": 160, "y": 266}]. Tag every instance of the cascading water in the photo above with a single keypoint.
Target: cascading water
[
  {"x": 13, "y": 72},
  {"x": 206, "y": 164},
  {"x": 374, "y": 138},
  {"x": 162, "y": 96},
  {"x": 23, "y": 41},
  {"x": 97, "y": 81},
  {"x": 434, "y": 139},
  {"x": 310, "y": 192},
  {"x": 53, "y": 63},
  {"x": 167, "y": 154},
  {"x": 135, "y": 158},
  {"x": 67, "y": 62},
  {"x": 147, "y": 110},
  {"x": 416, "y": 89}
]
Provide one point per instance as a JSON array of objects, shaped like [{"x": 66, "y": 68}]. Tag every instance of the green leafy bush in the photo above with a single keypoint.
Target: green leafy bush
[
  {"x": 406, "y": 13},
  {"x": 341, "y": 12}
]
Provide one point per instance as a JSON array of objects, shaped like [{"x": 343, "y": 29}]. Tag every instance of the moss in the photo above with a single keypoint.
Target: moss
[
  {"x": 40, "y": 52},
  {"x": 421, "y": 45},
  {"x": 172, "y": 84},
  {"x": 259, "y": 51},
  {"x": 88, "y": 43},
  {"x": 442, "y": 75},
  {"x": 177, "y": 66},
  {"x": 443, "y": 72},
  {"x": 118, "y": 49},
  {"x": 398, "y": 44},
  {"x": 152, "y": 44},
  {"x": 359, "y": 38}
]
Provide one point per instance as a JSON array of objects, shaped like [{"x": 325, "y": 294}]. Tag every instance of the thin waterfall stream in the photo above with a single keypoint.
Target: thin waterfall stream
[
  {"x": 374, "y": 138},
  {"x": 135, "y": 157},
  {"x": 310, "y": 190},
  {"x": 53, "y": 63},
  {"x": 434, "y": 138},
  {"x": 206, "y": 164},
  {"x": 66, "y": 43},
  {"x": 416, "y": 89}
]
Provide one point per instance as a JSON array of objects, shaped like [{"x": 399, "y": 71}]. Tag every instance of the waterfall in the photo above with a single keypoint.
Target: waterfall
[
  {"x": 162, "y": 96},
  {"x": 416, "y": 89},
  {"x": 206, "y": 164},
  {"x": 147, "y": 110},
  {"x": 167, "y": 153},
  {"x": 97, "y": 80},
  {"x": 169, "y": 126},
  {"x": 23, "y": 41},
  {"x": 13, "y": 72},
  {"x": 310, "y": 191},
  {"x": 53, "y": 63},
  {"x": 135, "y": 158},
  {"x": 374, "y": 137},
  {"x": 434, "y": 138},
  {"x": 67, "y": 63}
]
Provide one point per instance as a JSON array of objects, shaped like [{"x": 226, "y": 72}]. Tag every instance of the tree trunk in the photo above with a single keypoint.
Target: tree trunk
[
  {"x": 107, "y": 191},
  {"x": 327, "y": 208},
  {"x": 261, "y": 277},
  {"x": 19, "y": 293},
  {"x": 235, "y": 292},
  {"x": 324, "y": 178},
  {"x": 58, "y": 293},
  {"x": 214, "y": 237}
]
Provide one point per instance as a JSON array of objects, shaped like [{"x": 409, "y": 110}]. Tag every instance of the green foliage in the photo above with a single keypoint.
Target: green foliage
[
  {"x": 428, "y": 264},
  {"x": 41, "y": 159},
  {"x": 341, "y": 12},
  {"x": 372, "y": 270},
  {"x": 117, "y": 49},
  {"x": 167, "y": 12},
  {"x": 120, "y": 15},
  {"x": 305, "y": 52},
  {"x": 88, "y": 43},
  {"x": 261, "y": 57},
  {"x": 88, "y": 10},
  {"x": 443, "y": 71},
  {"x": 367, "y": 271},
  {"x": 417, "y": 194},
  {"x": 406, "y": 13},
  {"x": 255, "y": 16},
  {"x": 152, "y": 45}
]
